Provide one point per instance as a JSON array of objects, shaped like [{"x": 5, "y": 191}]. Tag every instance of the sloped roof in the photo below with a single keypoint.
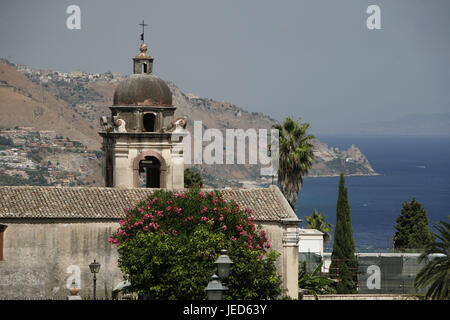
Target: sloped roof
[{"x": 30, "y": 202}]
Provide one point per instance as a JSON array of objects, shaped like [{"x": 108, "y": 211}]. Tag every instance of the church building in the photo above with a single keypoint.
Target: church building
[
  {"x": 50, "y": 235},
  {"x": 138, "y": 142}
]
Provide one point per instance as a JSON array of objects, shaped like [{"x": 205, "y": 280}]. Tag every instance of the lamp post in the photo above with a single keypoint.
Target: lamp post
[
  {"x": 223, "y": 264},
  {"x": 215, "y": 290},
  {"x": 95, "y": 268}
]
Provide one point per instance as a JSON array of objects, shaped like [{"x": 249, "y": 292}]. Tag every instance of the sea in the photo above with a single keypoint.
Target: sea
[{"x": 409, "y": 166}]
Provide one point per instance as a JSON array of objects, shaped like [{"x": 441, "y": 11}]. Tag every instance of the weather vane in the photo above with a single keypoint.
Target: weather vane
[{"x": 143, "y": 25}]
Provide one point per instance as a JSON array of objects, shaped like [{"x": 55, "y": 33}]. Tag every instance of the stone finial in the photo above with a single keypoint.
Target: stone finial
[{"x": 143, "y": 48}]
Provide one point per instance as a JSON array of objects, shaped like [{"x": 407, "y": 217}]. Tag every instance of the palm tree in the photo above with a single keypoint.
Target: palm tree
[
  {"x": 317, "y": 221},
  {"x": 314, "y": 283},
  {"x": 436, "y": 273},
  {"x": 296, "y": 157}
]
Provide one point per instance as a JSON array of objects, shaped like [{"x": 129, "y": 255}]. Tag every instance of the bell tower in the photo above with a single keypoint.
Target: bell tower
[{"x": 142, "y": 144}]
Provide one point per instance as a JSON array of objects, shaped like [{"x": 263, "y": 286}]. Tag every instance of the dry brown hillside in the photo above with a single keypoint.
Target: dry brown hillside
[{"x": 24, "y": 103}]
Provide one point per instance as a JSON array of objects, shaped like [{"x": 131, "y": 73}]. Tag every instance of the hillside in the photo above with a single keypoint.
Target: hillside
[
  {"x": 29, "y": 104},
  {"x": 71, "y": 104}
]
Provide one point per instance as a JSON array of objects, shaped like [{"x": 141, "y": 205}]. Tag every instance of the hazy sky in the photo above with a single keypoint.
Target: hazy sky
[{"x": 313, "y": 59}]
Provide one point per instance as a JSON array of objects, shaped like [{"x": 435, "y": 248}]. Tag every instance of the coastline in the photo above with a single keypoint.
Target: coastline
[
  {"x": 347, "y": 175},
  {"x": 248, "y": 184}
]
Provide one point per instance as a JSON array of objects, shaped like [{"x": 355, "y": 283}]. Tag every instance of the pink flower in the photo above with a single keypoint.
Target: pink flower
[
  {"x": 201, "y": 195},
  {"x": 204, "y": 209},
  {"x": 242, "y": 233},
  {"x": 178, "y": 210},
  {"x": 154, "y": 225},
  {"x": 215, "y": 201},
  {"x": 221, "y": 217},
  {"x": 268, "y": 245},
  {"x": 211, "y": 193},
  {"x": 168, "y": 208},
  {"x": 176, "y": 195},
  {"x": 239, "y": 228},
  {"x": 140, "y": 210},
  {"x": 215, "y": 209},
  {"x": 224, "y": 227},
  {"x": 145, "y": 228},
  {"x": 203, "y": 219},
  {"x": 233, "y": 238}
]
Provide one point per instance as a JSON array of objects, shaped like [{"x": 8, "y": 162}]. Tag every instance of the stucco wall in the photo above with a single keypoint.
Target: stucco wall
[
  {"x": 37, "y": 255},
  {"x": 275, "y": 236},
  {"x": 279, "y": 235}
]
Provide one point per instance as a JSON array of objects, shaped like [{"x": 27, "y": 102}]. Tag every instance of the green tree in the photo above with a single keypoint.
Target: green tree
[
  {"x": 436, "y": 273},
  {"x": 192, "y": 178},
  {"x": 343, "y": 260},
  {"x": 168, "y": 244},
  {"x": 317, "y": 221},
  {"x": 412, "y": 227},
  {"x": 296, "y": 157}
]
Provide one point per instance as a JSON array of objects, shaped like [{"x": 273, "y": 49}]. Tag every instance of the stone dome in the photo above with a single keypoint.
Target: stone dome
[{"x": 142, "y": 90}]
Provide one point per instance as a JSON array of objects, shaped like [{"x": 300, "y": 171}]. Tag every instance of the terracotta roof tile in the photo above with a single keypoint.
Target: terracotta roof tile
[{"x": 109, "y": 203}]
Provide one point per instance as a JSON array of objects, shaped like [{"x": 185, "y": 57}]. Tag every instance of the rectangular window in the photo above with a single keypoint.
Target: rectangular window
[{"x": 2, "y": 232}]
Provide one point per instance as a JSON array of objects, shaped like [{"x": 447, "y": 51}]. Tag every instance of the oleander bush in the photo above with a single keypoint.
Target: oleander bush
[{"x": 168, "y": 244}]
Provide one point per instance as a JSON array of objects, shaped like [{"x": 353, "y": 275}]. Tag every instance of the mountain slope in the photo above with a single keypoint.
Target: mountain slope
[
  {"x": 24, "y": 103},
  {"x": 71, "y": 105}
]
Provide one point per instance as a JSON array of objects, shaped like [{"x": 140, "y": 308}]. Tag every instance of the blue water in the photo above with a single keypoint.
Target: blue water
[{"x": 409, "y": 167}]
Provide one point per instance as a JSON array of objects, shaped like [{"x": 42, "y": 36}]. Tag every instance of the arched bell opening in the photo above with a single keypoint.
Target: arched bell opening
[
  {"x": 149, "y": 172},
  {"x": 149, "y": 122}
]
